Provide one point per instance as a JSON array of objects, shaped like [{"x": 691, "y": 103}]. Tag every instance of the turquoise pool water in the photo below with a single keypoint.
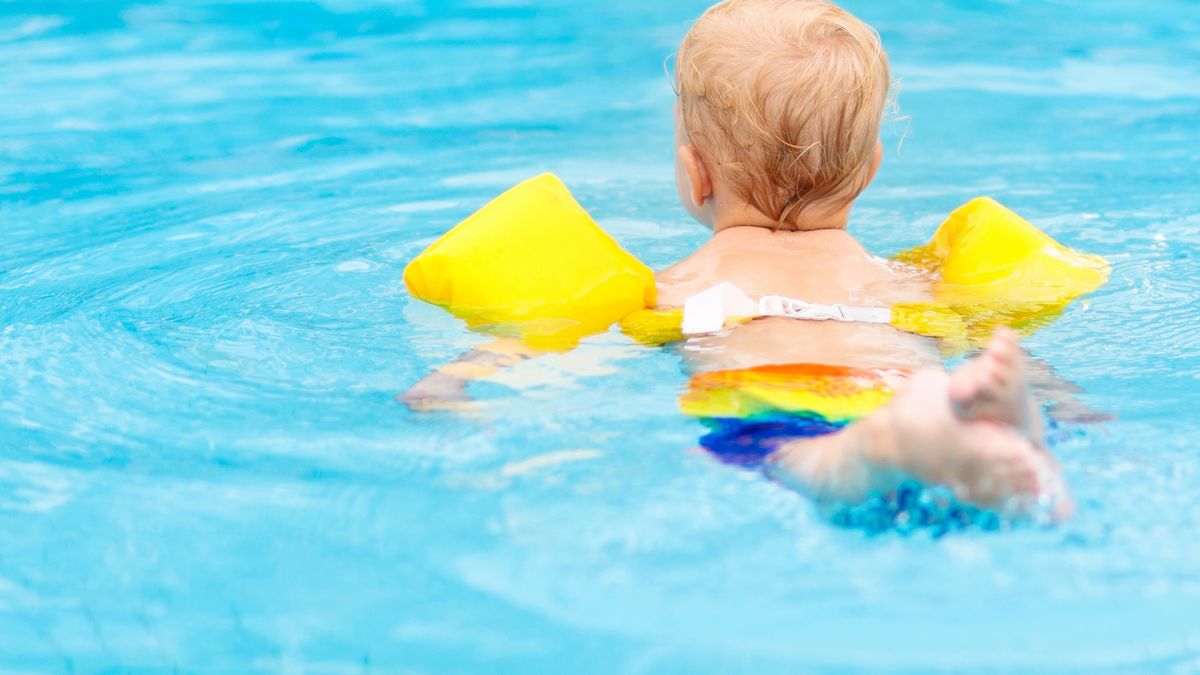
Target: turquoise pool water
[{"x": 206, "y": 210}]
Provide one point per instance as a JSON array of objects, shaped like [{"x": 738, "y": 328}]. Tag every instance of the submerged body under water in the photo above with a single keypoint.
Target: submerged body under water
[{"x": 207, "y": 207}]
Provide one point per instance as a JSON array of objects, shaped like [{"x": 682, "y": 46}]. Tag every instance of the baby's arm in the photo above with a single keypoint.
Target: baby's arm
[{"x": 446, "y": 387}]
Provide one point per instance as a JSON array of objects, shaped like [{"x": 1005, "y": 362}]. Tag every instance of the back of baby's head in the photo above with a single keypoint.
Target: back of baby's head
[{"x": 784, "y": 98}]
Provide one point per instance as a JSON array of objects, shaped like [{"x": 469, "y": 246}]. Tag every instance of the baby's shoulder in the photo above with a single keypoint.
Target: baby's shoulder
[
  {"x": 684, "y": 279},
  {"x": 829, "y": 276}
]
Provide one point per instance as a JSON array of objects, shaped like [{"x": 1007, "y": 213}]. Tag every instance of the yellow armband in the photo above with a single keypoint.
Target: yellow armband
[
  {"x": 995, "y": 268},
  {"x": 532, "y": 264}
]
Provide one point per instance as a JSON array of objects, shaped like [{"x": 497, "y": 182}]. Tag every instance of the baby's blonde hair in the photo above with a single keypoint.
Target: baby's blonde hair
[{"x": 784, "y": 98}]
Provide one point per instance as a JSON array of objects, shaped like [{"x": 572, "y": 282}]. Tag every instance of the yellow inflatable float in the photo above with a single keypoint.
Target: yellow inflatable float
[
  {"x": 533, "y": 264},
  {"x": 995, "y": 268}
]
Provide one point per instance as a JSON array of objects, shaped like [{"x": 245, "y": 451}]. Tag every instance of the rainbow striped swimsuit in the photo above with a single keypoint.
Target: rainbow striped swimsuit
[{"x": 751, "y": 412}]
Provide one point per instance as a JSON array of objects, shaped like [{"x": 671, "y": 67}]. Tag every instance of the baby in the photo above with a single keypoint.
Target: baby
[{"x": 777, "y": 133}]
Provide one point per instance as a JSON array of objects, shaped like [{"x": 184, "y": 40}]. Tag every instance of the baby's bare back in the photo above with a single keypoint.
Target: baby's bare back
[{"x": 826, "y": 267}]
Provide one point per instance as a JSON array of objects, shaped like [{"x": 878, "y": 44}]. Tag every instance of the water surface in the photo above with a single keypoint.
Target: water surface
[{"x": 207, "y": 207}]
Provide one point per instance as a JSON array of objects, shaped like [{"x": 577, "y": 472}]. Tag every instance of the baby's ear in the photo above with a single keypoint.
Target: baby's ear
[
  {"x": 699, "y": 179},
  {"x": 876, "y": 160}
]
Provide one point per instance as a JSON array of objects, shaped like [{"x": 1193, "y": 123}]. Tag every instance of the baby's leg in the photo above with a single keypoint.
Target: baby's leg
[{"x": 919, "y": 434}]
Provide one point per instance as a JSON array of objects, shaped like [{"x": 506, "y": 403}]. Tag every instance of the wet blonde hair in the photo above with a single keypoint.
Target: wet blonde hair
[{"x": 784, "y": 98}]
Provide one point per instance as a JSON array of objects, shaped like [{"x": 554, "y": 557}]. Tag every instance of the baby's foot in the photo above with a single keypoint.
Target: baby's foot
[
  {"x": 985, "y": 461},
  {"x": 992, "y": 387}
]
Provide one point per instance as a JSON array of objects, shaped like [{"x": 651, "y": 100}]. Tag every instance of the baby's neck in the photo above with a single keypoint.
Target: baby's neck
[
  {"x": 741, "y": 236},
  {"x": 736, "y": 214}
]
